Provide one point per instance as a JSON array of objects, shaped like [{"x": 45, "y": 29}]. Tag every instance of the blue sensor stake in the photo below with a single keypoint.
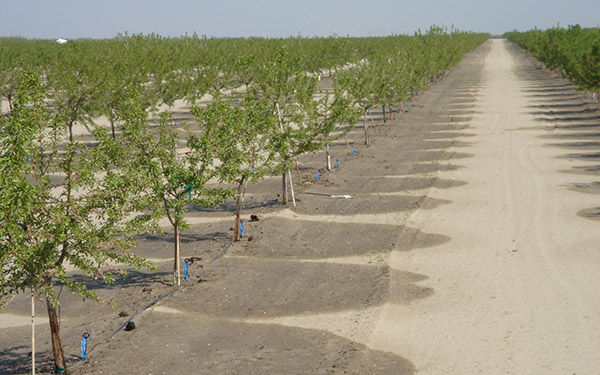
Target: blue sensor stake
[
  {"x": 352, "y": 149},
  {"x": 186, "y": 264},
  {"x": 336, "y": 164},
  {"x": 318, "y": 175},
  {"x": 241, "y": 228},
  {"x": 378, "y": 131},
  {"x": 84, "y": 342}
]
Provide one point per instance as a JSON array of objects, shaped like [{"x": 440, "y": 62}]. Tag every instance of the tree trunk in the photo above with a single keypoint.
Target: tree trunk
[
  {"x": 383, "y": 109},
  {"x": 328, "y": 156},
  {"x": 238, "y": 209},
  {"x": 112, "y": 128},
  {"x": 57, "y": 350},
  {"x": 284, "y": 187},
  {"x": 366, "y": 126},
  {"x": 176, "y": 256},
  {"x": 347, "y": 144},
  {"x": 32, "y": 332}
]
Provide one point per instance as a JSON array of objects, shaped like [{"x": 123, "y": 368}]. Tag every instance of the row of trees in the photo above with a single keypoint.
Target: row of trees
[
  {"x": 72, "y": 202},
  {"x": 574, "y": 51}
]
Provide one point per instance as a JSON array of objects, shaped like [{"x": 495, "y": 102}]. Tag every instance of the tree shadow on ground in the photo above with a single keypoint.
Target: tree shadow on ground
[
  {"x": 574, "y": 120},
  {"x": 557, "y": 106},
  {"x": 590, "y": 213},
  {"x": 230, "y": 206},
  {"x": 17, "y": 360},
  {"x": 555, "y": 112},
  {"x": 560, "y": 118},
  {"x": 578, "y": 145},
  {"x": 189, "y": 237},
  {"x": 133, "y": 278}
]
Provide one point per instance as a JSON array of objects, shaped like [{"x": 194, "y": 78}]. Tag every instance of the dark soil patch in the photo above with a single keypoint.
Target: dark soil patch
[
  {"x": 286, "y": 238},
  {"x": 219, "y": 347},
  {"x": 354, "y": 185},
  {"x": 246, "y": 287},
  {"x": 200, "y": 240},
  {"x": 364, "y": 204}
]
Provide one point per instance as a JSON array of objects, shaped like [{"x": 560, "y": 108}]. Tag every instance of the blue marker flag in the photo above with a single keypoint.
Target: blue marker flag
[{"x": 84, "y": 341}]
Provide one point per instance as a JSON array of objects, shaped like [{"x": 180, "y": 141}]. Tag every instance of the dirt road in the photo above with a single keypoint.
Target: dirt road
[{"x": 515, "y": 288}]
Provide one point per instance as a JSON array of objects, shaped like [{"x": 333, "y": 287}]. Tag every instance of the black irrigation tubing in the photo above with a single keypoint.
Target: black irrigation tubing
[
  {"x": 221, "y": 253},
  {"x": 141, "y": 310},
  {"x": 159, "y": 298},
  {"x": 128, "y": 320}
]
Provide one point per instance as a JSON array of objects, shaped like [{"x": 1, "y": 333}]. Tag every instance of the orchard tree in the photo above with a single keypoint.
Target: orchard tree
[
  {"x": 304, "y": 115},
  {"x": 332, "y": 118},
  {"x": 75, "y": 82},
  {"x": 360, "y": 83},
  {"x": 86, "y": 223},
  {"x": 120, "y": 72},
  {"x": 248, "y": 128},
  {"x": 174, "y": 178},
  {"x": 396, "y": 74}
]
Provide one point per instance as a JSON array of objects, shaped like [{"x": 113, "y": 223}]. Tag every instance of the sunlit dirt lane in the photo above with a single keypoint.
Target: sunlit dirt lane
[{"x": 515, "y": 289}]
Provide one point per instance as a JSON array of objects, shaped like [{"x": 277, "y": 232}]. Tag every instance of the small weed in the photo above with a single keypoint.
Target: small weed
[{"x": 377, "y": 260}]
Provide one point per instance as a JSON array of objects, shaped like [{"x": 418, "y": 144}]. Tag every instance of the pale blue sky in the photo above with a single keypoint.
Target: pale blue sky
[{"x": 234, "y": 18}]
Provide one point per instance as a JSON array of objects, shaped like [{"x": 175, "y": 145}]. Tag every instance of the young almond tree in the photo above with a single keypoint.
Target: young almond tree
[
  {"x": 249, "y": 155},
  {"x": 75, "y": 83},
  {"x": 85, "y": 223},
  {"x": 396, "y": 74},
  {"x": 360, "y": 82},
  {"x": 332, "y": 111},
  {"x": 119, "y": 74},
  {"x": 305, "y": 117},
  {"x": 175, "y": 178},
  {"x": 8, "y": 78}
]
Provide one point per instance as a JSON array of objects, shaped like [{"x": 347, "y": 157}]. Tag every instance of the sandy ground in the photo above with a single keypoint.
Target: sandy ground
[{"x": 516, "y": 286}]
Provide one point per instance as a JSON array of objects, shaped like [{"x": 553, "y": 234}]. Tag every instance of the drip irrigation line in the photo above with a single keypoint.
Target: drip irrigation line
[
  {"x": 220, "y": 254},
  {"x": 311, "y": 193},
  {"x": 124, "y": 324},
  {"x": 141, "y": 310},
  {"x": 159, "y": 298}
]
